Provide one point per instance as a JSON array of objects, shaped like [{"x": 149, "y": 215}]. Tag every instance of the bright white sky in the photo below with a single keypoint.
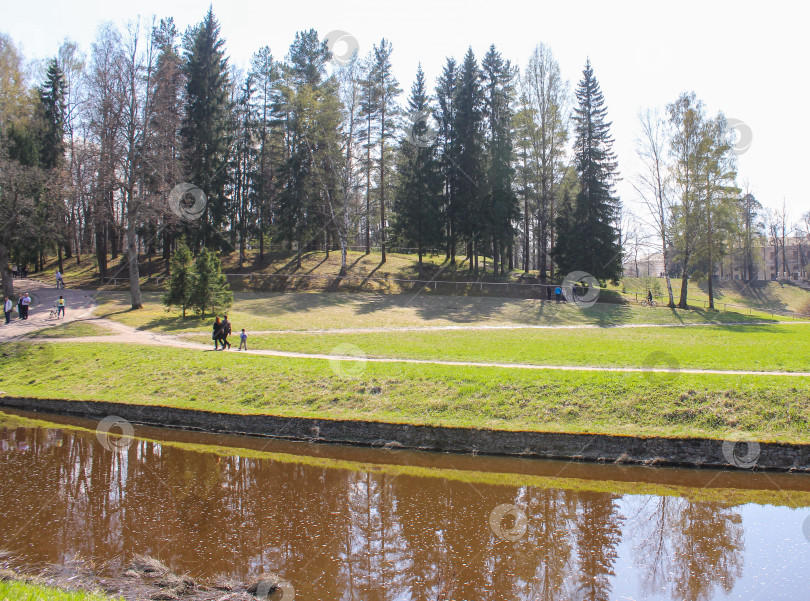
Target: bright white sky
[{"x": 744, "y": 58}]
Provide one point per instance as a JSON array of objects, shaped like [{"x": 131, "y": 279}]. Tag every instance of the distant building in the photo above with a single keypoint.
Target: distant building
[{"x": 769, "y": 266}]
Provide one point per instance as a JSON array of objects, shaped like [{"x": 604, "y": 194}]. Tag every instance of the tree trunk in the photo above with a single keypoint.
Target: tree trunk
[
  {"x": 132, "y": 258},
  {"x": 8, "y": 282},
  {"x": 683, "y": 303},
  {"x": 711, "y": 257}
]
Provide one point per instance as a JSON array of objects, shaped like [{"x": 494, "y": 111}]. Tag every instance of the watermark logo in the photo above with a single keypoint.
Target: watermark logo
[
  {"x": 342, "y": 45},
  {"x": 420, "y": 130},
  {"x": 741, "y": 451},
  {"x": 508, "y": 522},
  {"x": 275, "y": 586},
  {"x": 110, "y": 440},
  {"x": 581, "y": 288},
  {"x": 351, "y": 362},
  {"x": 187, "y": 201},
  {"x": 806, "y": 528},
  {"x": 660, "y": 364},
  {"x": 743, "y": 135}
]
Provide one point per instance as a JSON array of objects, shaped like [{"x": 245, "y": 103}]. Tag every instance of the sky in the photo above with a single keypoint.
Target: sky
[{"x": 746, "y": 59}]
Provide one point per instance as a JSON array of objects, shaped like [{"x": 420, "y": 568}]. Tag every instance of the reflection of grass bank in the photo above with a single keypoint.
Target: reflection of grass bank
[
  {"x": 776, "y": 348},
  {"x": 770, "y": 408},
  {"x": 722, "y": 495},
  {"x": 18, "y": 590}
]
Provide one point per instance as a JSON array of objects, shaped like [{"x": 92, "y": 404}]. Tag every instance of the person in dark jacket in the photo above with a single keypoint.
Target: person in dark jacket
[
  {"x": 226, "y": 330},
  {"x": 216, "y": 334}
]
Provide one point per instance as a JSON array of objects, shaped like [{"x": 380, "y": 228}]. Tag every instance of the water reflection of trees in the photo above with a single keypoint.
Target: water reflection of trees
[
  {"x": 687, "y": 548},
  {"x": 342, "y": 534}
]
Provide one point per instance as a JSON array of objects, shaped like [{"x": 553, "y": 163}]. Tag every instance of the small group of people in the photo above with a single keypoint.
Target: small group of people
[
  {"x": 22, "y": 307},
  {"x": 221, "y": 330}
]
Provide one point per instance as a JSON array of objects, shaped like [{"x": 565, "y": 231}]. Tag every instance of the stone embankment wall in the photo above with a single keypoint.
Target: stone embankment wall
[{"x": 689, "y": 452}]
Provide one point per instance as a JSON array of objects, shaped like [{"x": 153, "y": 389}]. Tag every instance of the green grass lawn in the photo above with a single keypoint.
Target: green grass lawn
[
  {"x": 302, "y": 311},
  {"x": 14, "y": 590},
  {"x": 71, "y": 330},
  {"x": 716, "y": 406},
  {"x": 753, "y": 347}
]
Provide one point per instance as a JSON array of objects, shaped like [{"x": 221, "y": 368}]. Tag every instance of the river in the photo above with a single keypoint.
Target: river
[{"x": 350, "y": 523}]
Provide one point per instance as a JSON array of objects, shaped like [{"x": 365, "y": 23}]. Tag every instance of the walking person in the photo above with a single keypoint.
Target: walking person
[
  {"x": 59, "y": 281},
  {"x": 8, "y": 307},
  {"x": 217, "y": 333},
  {"x": 243, "y": 340},
  {"x": 60, "y": 307},
  {"x": 558, "y": 292},
  {"x": 226, "y": 330}
]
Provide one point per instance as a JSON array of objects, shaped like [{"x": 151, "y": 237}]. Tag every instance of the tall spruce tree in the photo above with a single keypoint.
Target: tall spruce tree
[
  {"x": 417, "y": 206},
  {"x": 206, "y": 128},
  {"x": 501, "y": 205},
  {"x": 445, "y": 114},
  {"x": 470, "y": 159},
  {"x": 52, "y": 103},
  {"x": 587, "y": 234}
]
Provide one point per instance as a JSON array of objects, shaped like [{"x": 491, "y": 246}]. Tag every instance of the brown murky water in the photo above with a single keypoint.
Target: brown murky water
[{"x": 357, "y": 524}]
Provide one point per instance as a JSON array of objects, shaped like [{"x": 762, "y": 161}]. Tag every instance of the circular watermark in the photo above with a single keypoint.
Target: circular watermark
[
  {"x": 582, "y": 288},
  {"x": 806, "y": 528},
  {"x": 660, "y": 364},
  {"x": 350, "y": 361},
  {"x": 741, "y": 451},
  {"x": 275, "y": 586},
  {"x": 111, "y": 441},
  {"x": 508, "y": 522},
  {"x": 743, "y": 135},
  {"x": 187, "y": 201},
  {"x": 420, "y": 130},
  {"x": 342, "y": 45}
]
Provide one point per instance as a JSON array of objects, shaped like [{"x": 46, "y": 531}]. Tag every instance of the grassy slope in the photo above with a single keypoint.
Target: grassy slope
[
  {"x": 72, "y": 329},
  {"x": 762, "y": 295},
  {"x": 770, "y": 408},
  {"x": 758, "y": 348},
  {"x": 294, "y": 311},
  {"x": 776, "y": 296},
  {"x": 13, "y": 590}
]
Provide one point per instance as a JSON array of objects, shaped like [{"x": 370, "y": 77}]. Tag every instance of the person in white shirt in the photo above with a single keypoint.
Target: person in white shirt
[
  {"x": 26, "y": 300},
  {"x": 59, "y": 282},
  {"x": 8, "y": 306}
]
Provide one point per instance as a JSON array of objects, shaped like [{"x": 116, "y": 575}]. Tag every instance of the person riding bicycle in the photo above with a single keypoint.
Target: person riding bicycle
[{"x": 649, "y": 297}]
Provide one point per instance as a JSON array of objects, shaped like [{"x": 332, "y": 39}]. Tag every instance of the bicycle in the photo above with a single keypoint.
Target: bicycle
[
  {"x": 54, "y": 313},
  {"x": 648, "y": 303}
]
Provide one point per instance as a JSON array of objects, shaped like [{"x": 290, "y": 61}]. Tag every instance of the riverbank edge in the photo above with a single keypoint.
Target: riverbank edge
[{"x": 738, "y": 453}]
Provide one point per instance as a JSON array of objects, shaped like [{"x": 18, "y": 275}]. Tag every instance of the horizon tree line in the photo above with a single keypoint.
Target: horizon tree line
[{"x": 294, "y": 153}]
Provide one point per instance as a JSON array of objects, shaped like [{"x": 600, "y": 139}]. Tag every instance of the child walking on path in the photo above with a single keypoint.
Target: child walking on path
[
  {"x": 60, "y": 307},
  {"x": 242, "y": 340}
]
